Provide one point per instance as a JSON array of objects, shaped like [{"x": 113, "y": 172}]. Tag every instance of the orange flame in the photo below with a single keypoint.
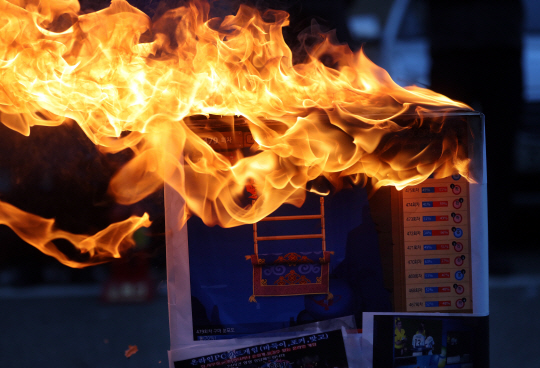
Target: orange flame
[
  {"x": 131, "y": 83},
  {"x": 99, "y": 248}
]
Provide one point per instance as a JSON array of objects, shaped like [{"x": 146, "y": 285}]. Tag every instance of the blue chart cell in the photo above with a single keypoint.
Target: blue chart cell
[
  {"x": 431, "y": 290},
  {"x": 430, "y": 247},
  {"x": 431, "y": 275},
  {"x": 430, "y": 261},
  {"x": 432, "y": 304},
  {"x": 429, "y": 218}
]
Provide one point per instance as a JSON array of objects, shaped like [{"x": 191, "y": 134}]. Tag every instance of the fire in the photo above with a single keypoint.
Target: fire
[{"x": 135, "y": 84}]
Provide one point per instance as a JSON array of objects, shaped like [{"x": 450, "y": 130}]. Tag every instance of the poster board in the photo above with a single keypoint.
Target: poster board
[{"x": 210, "y": 279}]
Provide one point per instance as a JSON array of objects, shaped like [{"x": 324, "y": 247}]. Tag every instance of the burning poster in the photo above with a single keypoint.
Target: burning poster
[{"x": 205, "y": 105}]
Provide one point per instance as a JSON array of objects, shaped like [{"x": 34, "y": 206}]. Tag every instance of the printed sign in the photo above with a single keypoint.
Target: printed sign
[{"x": 317, "y": 350}]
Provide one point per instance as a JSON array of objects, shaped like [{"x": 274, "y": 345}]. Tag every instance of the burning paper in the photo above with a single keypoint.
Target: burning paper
[{"x": 135, "y": 84}]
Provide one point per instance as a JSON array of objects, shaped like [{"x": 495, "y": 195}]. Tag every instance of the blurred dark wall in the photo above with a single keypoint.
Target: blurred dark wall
[{"x": 476, "y": 48}]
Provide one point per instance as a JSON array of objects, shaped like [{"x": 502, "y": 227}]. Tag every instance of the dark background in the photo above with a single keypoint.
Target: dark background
[{"x": 484, "y": 53}]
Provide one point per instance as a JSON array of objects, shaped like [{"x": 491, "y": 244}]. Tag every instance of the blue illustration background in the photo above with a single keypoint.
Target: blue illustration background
[{"x": 221, "y": 277}]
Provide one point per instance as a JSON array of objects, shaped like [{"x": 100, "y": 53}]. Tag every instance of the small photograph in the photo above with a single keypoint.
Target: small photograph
[
  {"x": 416, "y": 337},
  {"x": 422, "y": 340}
]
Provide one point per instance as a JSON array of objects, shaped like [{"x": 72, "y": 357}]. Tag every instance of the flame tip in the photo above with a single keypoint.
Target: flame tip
[{"x": 334, "y": 114}]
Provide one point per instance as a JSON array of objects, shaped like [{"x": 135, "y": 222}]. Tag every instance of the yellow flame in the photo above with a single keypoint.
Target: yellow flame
[{"x": 307, "y": 120}]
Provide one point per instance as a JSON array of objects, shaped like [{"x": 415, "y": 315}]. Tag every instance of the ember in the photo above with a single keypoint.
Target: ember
[
  {"x": 133, "y": 84},
  {"x": 132, "y": 349}
]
